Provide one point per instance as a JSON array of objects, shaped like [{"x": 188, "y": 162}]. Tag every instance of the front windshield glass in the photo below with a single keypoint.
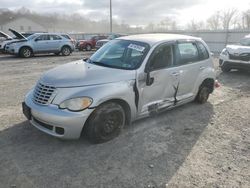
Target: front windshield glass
[
  {"x": 31, "y": 37},
  {"x": 245, "y": 42},
  {"x": 121, "y": 54}
]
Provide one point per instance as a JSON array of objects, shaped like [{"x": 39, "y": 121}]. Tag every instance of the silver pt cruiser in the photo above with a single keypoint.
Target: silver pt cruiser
[{"x": 129, "y": 78}]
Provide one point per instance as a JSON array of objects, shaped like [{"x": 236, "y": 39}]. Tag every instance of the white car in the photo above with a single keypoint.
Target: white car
[
  {"x": 236, "y": 56},
  {"x": 127, "y": 79}
]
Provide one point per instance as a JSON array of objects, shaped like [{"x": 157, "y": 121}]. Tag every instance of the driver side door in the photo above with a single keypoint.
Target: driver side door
[{"x": 41, "y": 43}]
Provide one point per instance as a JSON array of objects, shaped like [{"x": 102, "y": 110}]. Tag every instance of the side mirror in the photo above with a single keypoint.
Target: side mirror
[{"x": 149, "y": 79}]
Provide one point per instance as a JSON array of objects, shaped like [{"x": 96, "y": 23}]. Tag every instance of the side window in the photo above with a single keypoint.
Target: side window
[
  {"x": 55, "y": 37},
  {"x": 162, "y": 57},
  {"x": 42, "y": 38},
  {"x": 203, "y": 51},
  {"x": 186, "y": 53},
  {"x": 66, "y": 36}
]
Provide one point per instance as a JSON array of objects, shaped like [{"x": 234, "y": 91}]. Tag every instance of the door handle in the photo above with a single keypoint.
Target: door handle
[{"x": 202, "y": 68}]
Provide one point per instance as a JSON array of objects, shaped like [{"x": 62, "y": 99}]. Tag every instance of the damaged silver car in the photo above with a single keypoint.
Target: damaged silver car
[{"x": 127, "y": 79}]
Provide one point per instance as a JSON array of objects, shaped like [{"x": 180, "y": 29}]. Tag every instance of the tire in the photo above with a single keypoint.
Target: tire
[
  {"x": 25, "y": 52},
  {"x": 66, "y": 51},
  {"x": 105, "y": 123},
  {"x": 203, "y": 95},
  {"x": 225, "y": 69},
  {"x": 88, "y": 47}
]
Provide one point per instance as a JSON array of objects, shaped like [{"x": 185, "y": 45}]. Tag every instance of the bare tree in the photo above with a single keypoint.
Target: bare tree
[
  {"x": 194, "y": 25},
  {"x": 246, "y": 19},
  {"x": 214, "y": 22},
  {"x": 227, "y": 17}
]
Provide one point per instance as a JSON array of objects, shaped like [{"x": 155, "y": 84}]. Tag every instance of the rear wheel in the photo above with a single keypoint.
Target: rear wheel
[
  {"x": 203, "y": 94},
  {"x": 25, "y": 52},
  {"x": 66, "y": 51},
  {"x": 105, "y": 123}
]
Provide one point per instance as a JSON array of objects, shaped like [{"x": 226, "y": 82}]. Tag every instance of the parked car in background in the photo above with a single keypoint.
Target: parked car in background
[
  {"x": 127, "y": 79},
  {"x": 100, "y": 43},
  {"x": 17, "y": 36},
  {"x": 236, "y": 56},
  {"x": 41, "y": 43},
  {"x": 4, "y": 38},
  {"x": 89, "y": 42}
]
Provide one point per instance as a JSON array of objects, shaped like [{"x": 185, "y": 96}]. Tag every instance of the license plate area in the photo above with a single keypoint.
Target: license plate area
[{"x": 26, "y": 111}]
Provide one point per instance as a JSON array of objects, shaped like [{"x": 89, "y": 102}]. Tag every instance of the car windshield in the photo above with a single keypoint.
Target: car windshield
[
  {"x": 31, "y": 36},
  {"x": 120, "y": 54},
  {"x": 245, "y": 42}
]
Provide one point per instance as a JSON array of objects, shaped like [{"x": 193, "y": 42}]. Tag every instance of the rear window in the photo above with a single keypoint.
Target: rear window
[
  {"x": 66, "y": 36},
  {"x": 186, "y": 53},
  {"x": 203, "y": 51},
  {"x": 55, "y": 37}
]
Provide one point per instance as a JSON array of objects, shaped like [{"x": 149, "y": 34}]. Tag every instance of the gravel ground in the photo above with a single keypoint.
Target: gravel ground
[{"x": 190, "y": 146}]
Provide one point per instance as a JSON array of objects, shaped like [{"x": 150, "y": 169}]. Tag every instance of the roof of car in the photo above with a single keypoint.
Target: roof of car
[
  {"x": 50, "y": 33},
  {"x": 152, "y": 39}
]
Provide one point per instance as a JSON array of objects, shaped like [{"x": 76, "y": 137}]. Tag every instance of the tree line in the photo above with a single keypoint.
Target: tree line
[{"x": 219, "y": 20}]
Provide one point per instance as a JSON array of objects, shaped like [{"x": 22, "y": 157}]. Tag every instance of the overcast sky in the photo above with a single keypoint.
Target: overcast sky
[{"x": 133, "y": 12}]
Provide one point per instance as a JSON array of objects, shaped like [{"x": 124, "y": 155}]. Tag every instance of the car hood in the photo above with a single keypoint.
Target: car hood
[
  {"x": 4, "y": 35},
  {"x": 17, "y": 34},
  {"x": 238, "y": 49},
  {"x": 80, "y": 73}
]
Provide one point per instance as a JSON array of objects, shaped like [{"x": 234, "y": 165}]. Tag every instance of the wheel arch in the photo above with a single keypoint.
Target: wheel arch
[
  {"x": 66, "y": 45},
  {"x": 209, "y": 82},
  {"x": 26, "y": 46},
  {"x": 124, "y": 105}
]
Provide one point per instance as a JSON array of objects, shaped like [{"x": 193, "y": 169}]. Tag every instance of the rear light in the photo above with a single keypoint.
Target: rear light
[{"x": 216, "y": 84}]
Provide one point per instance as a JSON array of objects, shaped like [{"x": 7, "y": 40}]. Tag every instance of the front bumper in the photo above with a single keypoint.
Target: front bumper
[
  {"x": 234, "y": 64},
  {"x": 10, "y": 50},
  {"x": 56, "y": 122}
]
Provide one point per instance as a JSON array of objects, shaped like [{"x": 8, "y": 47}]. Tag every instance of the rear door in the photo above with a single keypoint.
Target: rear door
[
  {"x": 188, "y": 67},
  {"x": 55, "y": 42}
]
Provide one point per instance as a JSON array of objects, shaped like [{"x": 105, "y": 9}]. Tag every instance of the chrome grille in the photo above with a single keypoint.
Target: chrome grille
[{"x": 43, "y": 93}]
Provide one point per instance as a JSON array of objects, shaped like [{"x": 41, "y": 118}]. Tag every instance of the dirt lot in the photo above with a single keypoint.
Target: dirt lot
[{"x": 191, "y": 146}]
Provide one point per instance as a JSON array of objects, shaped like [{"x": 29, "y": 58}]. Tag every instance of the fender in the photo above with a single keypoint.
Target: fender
[{"x": 123, "y": 90}]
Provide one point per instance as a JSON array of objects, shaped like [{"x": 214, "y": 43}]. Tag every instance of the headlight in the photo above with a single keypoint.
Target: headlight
[
  {"x": 224, "y": 52},
  {"x": 76, "y": 104}
]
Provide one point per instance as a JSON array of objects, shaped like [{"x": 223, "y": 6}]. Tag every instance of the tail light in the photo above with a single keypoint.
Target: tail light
[{"x": 216, "y": 84}]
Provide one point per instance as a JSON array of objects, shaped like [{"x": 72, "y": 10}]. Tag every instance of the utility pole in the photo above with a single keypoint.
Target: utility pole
[{"x": 110, "y": 7}]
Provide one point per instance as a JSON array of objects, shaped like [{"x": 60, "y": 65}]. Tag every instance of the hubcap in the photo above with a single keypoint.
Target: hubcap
[
  {"x": 88, "y": 48},
  {"x": 111, "y": 122},
  {"x": 66, "y": 51},
  {"x": 204, "y": 94},
  {"x": 26, "y": 52}
]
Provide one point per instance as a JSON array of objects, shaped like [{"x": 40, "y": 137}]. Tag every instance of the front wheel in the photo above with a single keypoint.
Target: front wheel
[
  {"x": 203, "y": 95},
  {"x": 66, "y": 51},
  {"x": 105, "y": 123},
  {"x": 25, "y": 52}
]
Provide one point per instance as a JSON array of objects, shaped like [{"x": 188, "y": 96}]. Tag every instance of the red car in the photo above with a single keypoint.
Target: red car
[{"x": 89, "y": 42}]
